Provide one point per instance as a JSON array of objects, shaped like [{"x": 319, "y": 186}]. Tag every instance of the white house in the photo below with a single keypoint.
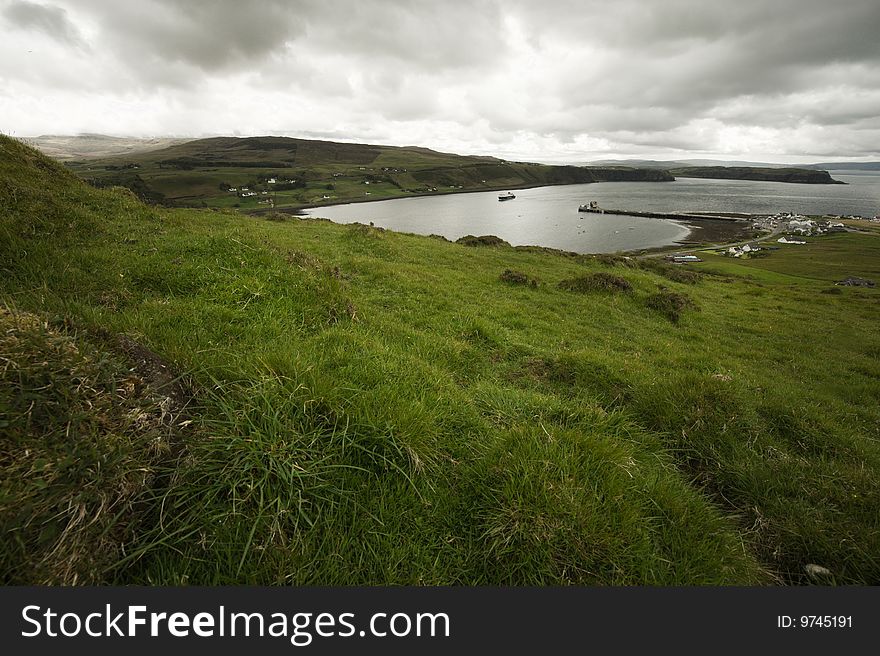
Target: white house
[{"x": 802, "y": 226}]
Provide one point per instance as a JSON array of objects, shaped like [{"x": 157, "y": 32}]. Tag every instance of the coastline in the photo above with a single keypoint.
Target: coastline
[
  {"x": 703, "y": 227},
  {"x": 707, "y": 231},
  {"x": 699, "y": 235},
  {"x": 299, "y": 209}
]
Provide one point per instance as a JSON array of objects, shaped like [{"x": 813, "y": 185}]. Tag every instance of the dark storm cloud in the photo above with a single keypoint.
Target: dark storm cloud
[
  {"x": 695, "y": 54},
  {"x": 209, "y": 36},
  {"x": 430, "y": 36},
  {"x": 48, "y": 19},
  {"x": 228, "y": 35}
]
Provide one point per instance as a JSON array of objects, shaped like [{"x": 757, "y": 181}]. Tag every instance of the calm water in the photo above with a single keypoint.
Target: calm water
[{"x": 548, "y": 216}]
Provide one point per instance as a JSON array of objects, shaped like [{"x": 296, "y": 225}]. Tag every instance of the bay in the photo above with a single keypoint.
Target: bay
[{"x": 548, "y": 216}]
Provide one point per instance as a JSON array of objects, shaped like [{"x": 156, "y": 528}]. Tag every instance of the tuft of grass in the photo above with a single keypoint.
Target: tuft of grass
[
  {"x": 595, "y": 282},
  {"x": 517, "y": 278},
  {"x": 611, "y": 260},
  {"x": 673, "y": 272},
  {"x": 483, "y": 240},
  {"x": 670, "y": 304}
]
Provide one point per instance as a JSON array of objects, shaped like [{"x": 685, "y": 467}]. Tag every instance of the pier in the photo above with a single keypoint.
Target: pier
[{"x": 675, "y": 216}]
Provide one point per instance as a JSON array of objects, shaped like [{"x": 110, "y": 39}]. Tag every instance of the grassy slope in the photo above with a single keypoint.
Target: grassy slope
[
  {"x": 191, "y": 173},
  {"x": 380, "y": 408},
  {"x": 830, "y": 258}
]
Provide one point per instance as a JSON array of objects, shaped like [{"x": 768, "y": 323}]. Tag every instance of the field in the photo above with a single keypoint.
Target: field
[
  {"x": 828, "y": 258},
  {"x": 201, "y": 397}
]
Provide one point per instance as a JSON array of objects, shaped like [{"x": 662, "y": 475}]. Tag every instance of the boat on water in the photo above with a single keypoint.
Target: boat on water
[
  {"x": 592, "y": 207},
  {"x": 507, "y": 196}
]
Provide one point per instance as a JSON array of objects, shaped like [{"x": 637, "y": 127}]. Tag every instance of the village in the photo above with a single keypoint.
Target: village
[{"x": 792, "y": 225}]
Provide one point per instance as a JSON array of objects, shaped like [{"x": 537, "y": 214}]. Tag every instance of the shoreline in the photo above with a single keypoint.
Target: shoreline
[
  {"x": 703, "y": 227},
  {"x": 697, "y": 237},
  {"x": 299, "y": 209}
]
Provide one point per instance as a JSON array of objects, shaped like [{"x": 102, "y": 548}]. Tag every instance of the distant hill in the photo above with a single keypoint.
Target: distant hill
[
  {"x": 797, "y": 175},
  {"x": 696, "y": 168},
  {"x": 846, "y": 166},
  {"x": 91, "y": 146},
  {"x": 681, "y": 163},
  {"x": 288, "y": 172}
]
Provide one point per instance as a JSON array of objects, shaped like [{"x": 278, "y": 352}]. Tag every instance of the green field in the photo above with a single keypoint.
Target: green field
[
  {"x": 826, "y": 258},
  {"x": 346, "y": 405}
]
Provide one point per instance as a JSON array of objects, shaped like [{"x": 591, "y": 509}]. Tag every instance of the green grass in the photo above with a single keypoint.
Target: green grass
[
  {"x": 378, "y": 408},
  {"x": 84, "y": 440},
  {"x": 826, "y": 258}
]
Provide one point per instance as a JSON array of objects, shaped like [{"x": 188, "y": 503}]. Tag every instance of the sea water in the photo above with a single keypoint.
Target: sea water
[{"x": 548, "y": 216}]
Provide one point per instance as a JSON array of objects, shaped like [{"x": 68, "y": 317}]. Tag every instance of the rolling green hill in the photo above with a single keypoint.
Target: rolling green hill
[
  {"x": 310, "y": 173},
  {"x": 202, "y": 397}
]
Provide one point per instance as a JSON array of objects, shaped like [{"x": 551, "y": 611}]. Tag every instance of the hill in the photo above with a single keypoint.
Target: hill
[
  {"x": 91, "y": 146},
  {"x": 212, "y": 173},
  {"x": 846, "y": 166},
  {"x": 677, "y": 165},
  {"x": 202, "y": 397},
  {"x": 682, "y": 163},
  {"x": 791, "y": 175}
]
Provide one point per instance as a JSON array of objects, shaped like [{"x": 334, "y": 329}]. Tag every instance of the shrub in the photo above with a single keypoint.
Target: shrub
[{"x": 483, "y": 240}]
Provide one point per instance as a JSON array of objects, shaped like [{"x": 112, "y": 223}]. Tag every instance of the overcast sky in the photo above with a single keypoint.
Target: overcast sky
[{"x": 539, "y": 80}]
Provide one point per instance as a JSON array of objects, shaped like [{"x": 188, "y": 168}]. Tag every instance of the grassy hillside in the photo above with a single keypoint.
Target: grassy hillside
[
  {"x": 199, "y": 173},
  {"x": 197, "y": 396},
  {"x": 804, "y": 176}
]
